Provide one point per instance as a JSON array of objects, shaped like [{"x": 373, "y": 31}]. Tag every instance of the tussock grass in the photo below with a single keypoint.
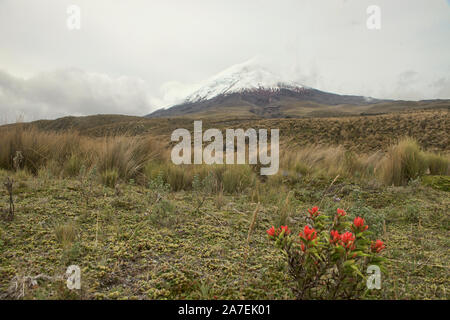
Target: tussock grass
[
  {"x": 67, "y": 152},
  {"x": 331, "y": 161},
  {"x": 36, "y": 147},
  {"x": 226, "y": 178},
  {"x": 403, "y": 162},
  {"x": 65, "y": 233},
  {"x": 142, "y": 159}
]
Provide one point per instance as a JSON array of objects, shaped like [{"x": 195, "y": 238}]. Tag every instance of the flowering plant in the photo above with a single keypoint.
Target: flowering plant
[{"x": 328, "y": 258}]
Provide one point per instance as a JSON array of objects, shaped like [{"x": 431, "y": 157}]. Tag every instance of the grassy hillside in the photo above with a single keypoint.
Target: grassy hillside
[{"x": 356, "y": 133}]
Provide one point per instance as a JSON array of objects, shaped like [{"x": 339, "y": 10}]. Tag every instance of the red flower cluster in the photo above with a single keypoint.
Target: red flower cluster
[
  {"x": 335, "y": 236},
  {"x": 271, "y": 232},
  {"x": 276, "y": 232},
  {"x": 341, "y": 213},
  {"x": 308, "y": 234},
  {"x": 377, "y": 246},
  {"x": 314, "y": 212},
  {"x": 285, "y": 229},
  {"x": 358, "y": 225},
  {"x": 346, "y": 239}
]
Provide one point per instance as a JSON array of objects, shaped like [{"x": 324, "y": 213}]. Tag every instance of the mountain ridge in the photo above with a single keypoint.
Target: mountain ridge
[{"x": 251, "y": 90}]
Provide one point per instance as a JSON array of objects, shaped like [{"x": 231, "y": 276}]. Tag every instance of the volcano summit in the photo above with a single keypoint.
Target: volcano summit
[{"x": 250, "y": 90}]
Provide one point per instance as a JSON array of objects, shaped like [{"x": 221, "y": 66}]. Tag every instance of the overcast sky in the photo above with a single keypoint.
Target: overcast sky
[{"x": 134, "y": 56}]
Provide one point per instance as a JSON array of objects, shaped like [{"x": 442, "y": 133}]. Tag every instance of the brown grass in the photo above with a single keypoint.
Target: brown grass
[
  {"x": 67, "y": 152},
  {"x": 143, "y": 157}
]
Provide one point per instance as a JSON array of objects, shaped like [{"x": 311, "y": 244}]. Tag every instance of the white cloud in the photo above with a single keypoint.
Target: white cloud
[
  {"x": 167, "y": 47},
  {"x": 72, "y": 92}
]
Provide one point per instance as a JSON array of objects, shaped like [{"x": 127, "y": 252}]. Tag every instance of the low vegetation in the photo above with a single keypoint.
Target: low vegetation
[{"x": 140, "y": 227}]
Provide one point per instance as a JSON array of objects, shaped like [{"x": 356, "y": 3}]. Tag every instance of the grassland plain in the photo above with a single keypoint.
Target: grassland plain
[
  {"x": 140, "y": 228},
  {"x": 144, "y": 243}
]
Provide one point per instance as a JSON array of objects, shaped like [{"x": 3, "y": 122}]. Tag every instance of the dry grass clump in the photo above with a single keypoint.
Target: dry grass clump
[
  {"x": 36, "y": 147},
  {"x": 127, "y": 156},
  {"x": 145, "y": 158},
  {"x": 67, "y": 152},
  {"x": 438, "y": 164},
  {"x": 403, "y": 162},
  {"x": 65, "y": 233},
  {"x": 330, "y": 161}
]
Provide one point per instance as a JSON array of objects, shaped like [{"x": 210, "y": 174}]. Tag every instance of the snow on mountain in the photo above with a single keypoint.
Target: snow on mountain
[{"x": 243, "y": 77}]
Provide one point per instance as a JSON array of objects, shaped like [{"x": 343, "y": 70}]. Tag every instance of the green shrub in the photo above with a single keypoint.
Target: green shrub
[
  {"x": 327, "y": 259},
  {"x": 163, "y": 214},
  {"x": 158, "y": 184},
  {"x": 437, "y": 182},
  {"x": 412, "y": 213},
  {"x": 374, "y": 219}
]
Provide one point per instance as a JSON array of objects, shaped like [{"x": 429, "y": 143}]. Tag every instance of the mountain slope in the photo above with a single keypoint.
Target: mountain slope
[{"x": 249, "y": 90}]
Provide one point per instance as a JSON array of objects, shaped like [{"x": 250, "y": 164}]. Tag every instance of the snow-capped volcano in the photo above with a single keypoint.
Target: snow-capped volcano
[
  {"x": 244, "y": 77},
  {"x": 250, "y": 90}
]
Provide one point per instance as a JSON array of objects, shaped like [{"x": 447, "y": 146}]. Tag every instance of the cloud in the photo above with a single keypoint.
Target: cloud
[
  {"x": 413, "y": 85},
  {"x": 72, "y": 92},
  {"x": 442, "y": 86},
  {"x": 168, "y": 47}
]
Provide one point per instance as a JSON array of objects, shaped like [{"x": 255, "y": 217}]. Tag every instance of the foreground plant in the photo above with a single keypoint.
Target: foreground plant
[{"x": 329, "y": 257}]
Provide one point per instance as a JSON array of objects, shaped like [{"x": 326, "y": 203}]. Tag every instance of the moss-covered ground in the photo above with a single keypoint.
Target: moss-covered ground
[{"x": 133, "y": 242}]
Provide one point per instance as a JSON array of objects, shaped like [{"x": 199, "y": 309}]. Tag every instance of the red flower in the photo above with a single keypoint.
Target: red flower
[
  {"x": 341, "y": 213},
  {"x": 347, "y": 240},
  {"x": 271, "y": 232},
  {"x": 335, "y": 237},
  {"x": 308, "y": 233},
  {"x": 285, "y": 229},
  {"x": 314, "y": 212},
  {"x": 377, "y": 246},
  {"x": 358, "y": 225}
]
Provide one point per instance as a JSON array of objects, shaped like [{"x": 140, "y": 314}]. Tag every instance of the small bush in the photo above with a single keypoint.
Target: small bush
[
  {"x": 412, "y": 213},
  {"x": 284, "y": 208},
  {"x": 437, "y": 182},
  {"x": 163, "y": 214},
  {"x": 158, "y": 184},
  {"x": 328, "y": 257}
]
